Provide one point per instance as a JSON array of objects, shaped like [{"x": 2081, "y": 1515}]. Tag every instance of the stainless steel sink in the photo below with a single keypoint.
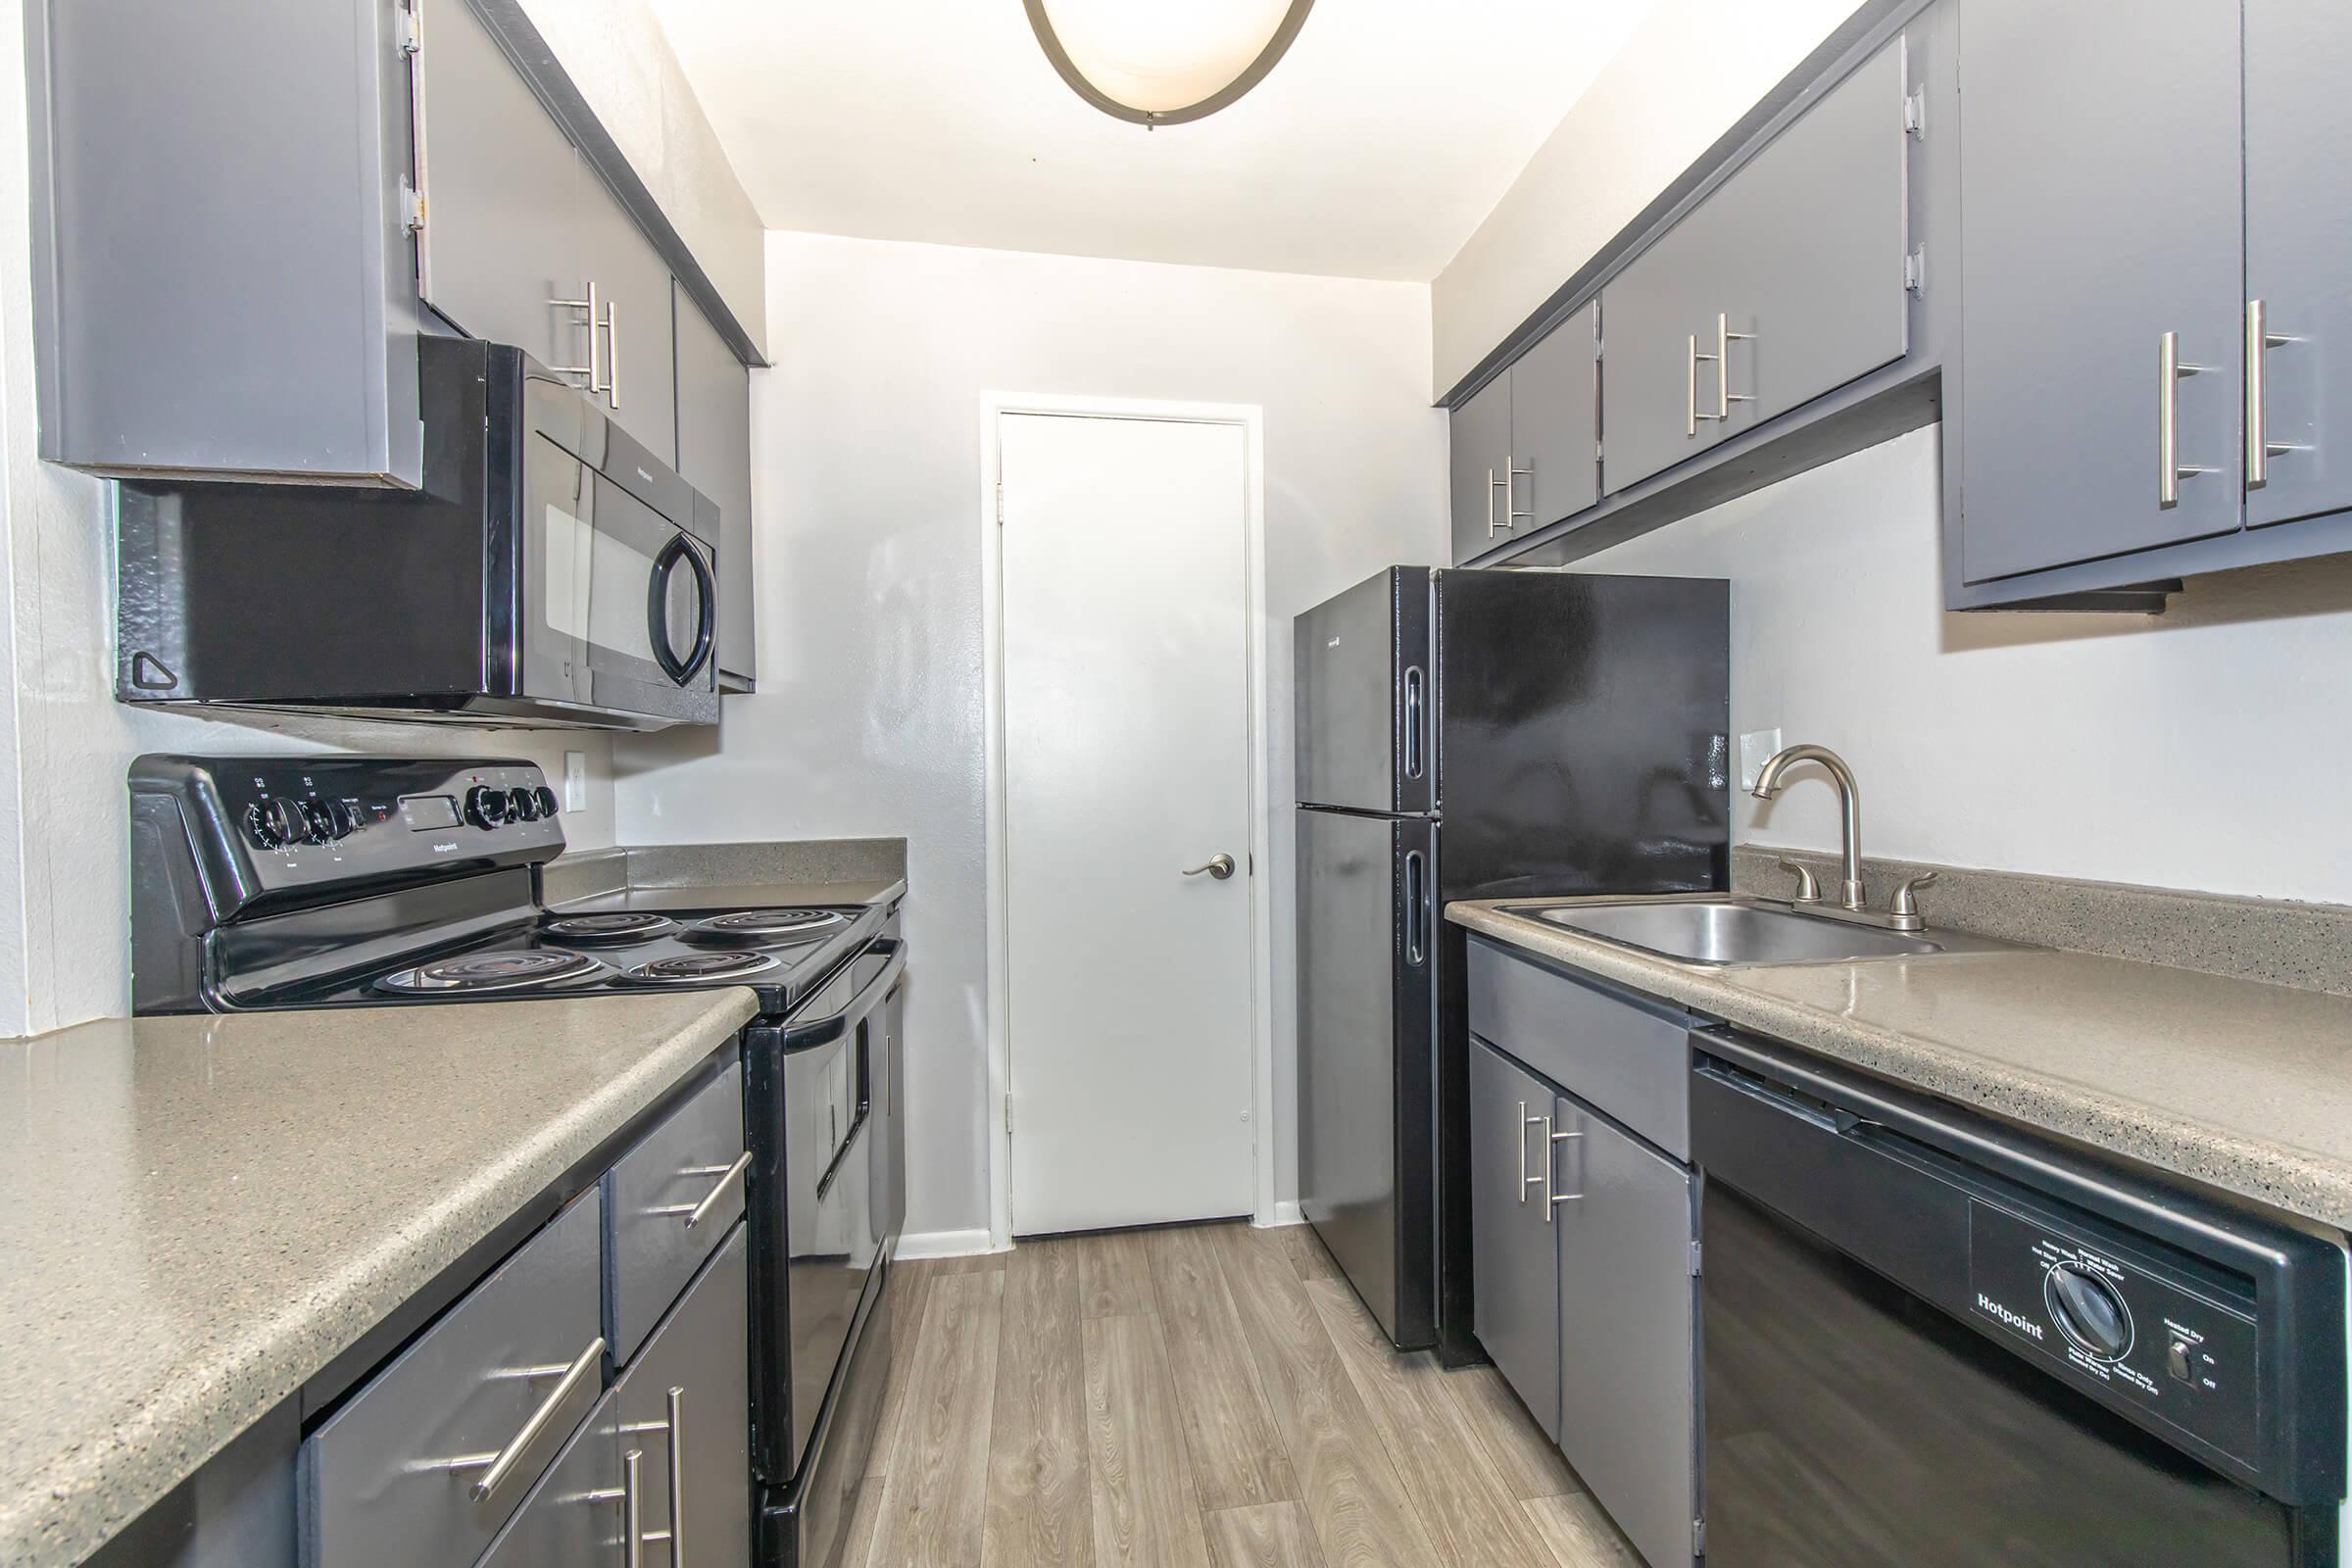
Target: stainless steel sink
[{"x": 1733, "y": 930}]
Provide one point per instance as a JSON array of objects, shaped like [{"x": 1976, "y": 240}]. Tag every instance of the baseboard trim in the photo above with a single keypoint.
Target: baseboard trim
[
  {"x": 944, "y": 1244},
  {"x": 1287, "y": 1212}
]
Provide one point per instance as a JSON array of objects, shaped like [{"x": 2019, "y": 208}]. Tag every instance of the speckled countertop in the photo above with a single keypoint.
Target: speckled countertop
[
  {"x": 2241, "y": 1085},
  {"x": 204, "y": 1212}
]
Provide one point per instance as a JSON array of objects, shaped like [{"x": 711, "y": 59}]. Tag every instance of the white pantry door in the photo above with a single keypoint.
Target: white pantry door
[{"x": 1126, "y": 761}]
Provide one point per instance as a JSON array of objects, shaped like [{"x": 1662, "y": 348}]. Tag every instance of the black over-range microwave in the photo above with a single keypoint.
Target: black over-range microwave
[{"x": 550, "y": 569}]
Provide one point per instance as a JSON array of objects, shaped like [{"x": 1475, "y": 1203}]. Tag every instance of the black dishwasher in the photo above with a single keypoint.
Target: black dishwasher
[{"x": 1932, "y": 1341}]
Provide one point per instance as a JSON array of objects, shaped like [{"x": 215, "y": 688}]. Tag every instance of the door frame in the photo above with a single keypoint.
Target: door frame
[{"x": 1250, "y": 419}]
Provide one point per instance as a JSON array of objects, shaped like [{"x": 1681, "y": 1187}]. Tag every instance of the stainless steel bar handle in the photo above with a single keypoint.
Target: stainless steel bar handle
[
  {"x": 1510, "y": 492},
  {"x": 1525, "y": 1180},
  {"x": 2260, "y": 448},
  {"x": 728, "y": 1176},
  {"x": 2169, "y": 373},
  {"x": 1692, "y": 360},
  {"x": 1725, "y": 337},
  {"x": 632, "y": 1508},
  {"x": 587, "y": 306},
  {"x": 1555, "y": 1200},
  {"x": 612, "y": 353},
  {"x": 678, "y": 1478},
  {"x": 499, "y": 1467},
  {"x": 1494, "y": 524}
]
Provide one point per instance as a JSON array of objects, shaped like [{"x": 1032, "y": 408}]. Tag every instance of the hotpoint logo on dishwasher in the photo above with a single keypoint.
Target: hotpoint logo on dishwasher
[{"x": 2016, "y": 1320}]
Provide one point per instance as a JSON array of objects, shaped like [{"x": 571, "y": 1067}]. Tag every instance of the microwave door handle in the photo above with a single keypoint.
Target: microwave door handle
[{"x": 657, "y": 608}]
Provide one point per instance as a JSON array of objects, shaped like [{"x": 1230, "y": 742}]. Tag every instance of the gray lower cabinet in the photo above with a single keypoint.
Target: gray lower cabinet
[
  {"x": 669, "y": 1203},
  {"x": 2101, "y": 210},
  {"x": 499, "y": 252},
  {"x": 1785, "y": 283},
  {"x": 578, "y": 1514},
  {"x": 1481, "y": 438},
  {"x": 2298, "y": 233},
  {"x": 685, "y": 1413},
  {"x": 1515, "y": 1269},
  {"x": 1524, "y": 446},
  {"x": 1628, "y": 1347},
  {"x": 715, "y": 455}
]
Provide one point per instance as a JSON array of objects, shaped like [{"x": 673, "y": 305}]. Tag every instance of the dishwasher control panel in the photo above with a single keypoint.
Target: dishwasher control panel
[{"x": 2109, "y": 1313}]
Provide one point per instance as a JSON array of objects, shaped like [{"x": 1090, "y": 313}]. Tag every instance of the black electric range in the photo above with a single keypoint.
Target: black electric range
[{"x": 270, "y": 883}]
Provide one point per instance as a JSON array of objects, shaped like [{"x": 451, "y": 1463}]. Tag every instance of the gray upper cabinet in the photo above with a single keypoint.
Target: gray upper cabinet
[
  {"x": 1785, "y": 283},
  {"x": 1480, "y": 437},
  {"x": 2299, "y": 234},
  {"x": 1629, "y": 1344},
  {"x": 715, "y": 455},
  {"x": 499, "y": 252},
  {"x": 1523, "y": 447},
  {"x": 2102, "y": 242},
  {"x": 1515, "y": 1274},
  {"x": 639, "y": 362},
  {"x": 1555, "y": 415},
  {"x": 221, "y": 268}
]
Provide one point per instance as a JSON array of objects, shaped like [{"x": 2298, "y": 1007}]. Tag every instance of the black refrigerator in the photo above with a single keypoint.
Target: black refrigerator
[{"x": 1471, "y": 735}]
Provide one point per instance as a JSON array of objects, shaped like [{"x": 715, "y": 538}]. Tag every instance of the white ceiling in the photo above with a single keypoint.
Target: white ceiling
[{"x": 1376, "y": 146}]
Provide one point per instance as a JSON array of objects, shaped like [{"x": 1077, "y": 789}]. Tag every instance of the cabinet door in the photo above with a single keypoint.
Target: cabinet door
[
  {"x": 574, "y": 1517},
  {"x": 1480, "y": 431},
  {"x": 685, "y": 1410},
  {"x": 715, "y": 455},
  {"x": 1555, "y": 421},
  {"x": 2101, "y": 187},
  {"x": 2298, "y": 232},
  {"x": 1628, "y": 1347},
  {"x": 502, "y": 191},
  {"x": 1816, "y": 228},
  {"x": 633, "y": 289},
  {"x": 1514, "y": 1271}
]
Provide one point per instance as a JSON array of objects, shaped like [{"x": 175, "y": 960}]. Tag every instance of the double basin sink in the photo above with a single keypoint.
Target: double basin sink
[{"x": 1719, "y": 930}]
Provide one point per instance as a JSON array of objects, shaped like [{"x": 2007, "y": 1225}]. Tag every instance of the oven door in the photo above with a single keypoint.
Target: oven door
[
  {"x": 621, "y": 605},
  {"x": 812, "y": 1197}
]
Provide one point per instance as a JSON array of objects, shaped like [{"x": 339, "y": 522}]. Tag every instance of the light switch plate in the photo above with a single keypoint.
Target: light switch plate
[
  {"x": 575, "y": 781},
  {"x": 1756, "y": 749}
]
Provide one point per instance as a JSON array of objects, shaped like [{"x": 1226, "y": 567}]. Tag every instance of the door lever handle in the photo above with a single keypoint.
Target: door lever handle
[{"x": 1219, "y": 866}]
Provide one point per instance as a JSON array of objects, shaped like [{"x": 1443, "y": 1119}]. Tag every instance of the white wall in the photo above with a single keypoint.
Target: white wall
[
  {"x": 65, "y": 742},
  {"x": 866, "y": 444},
  {"x": 2203, "y": 749},
  {"x": 1688, "y": 71}
]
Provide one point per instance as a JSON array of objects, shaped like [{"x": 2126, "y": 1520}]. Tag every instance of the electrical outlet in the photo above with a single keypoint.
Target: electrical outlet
[
  {"x": 1756, "y": 749},
  {"x": 575, "y": 781}
]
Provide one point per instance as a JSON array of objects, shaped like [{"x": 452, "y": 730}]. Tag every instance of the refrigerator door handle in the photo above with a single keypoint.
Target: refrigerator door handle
[
  {"x": 1413, "y": 725},
  {"x": 1416, "y": 909}
]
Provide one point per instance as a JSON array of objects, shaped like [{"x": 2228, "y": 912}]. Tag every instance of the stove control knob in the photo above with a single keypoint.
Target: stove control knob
[
  {"x": 274, "y": 823},
  {"x": 341, "y": 820},
  {"x": 547, "y": 801},
  {"x": 486, "y": 806},
  {"x": 522, "y": 805}
]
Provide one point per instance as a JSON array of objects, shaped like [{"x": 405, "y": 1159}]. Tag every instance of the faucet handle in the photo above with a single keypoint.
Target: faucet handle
[
  {"x": 1808, "y": 890},
  {"x": 1904, "y": 904}
]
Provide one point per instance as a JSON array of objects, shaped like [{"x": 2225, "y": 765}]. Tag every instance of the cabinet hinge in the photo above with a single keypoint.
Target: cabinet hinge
[
  {"x": 1698, "y": 1538},
  {"x": 1008, "y": 1113},
  {"x": 1695, "y": 1259},
  {"x": 411, "y": 206},
  {"x": 1915, "y": 271},
  {"x": 1915, "y": 114},
  {"x": 1000, "y": 524},
  {"x": 408, "y": 33}
]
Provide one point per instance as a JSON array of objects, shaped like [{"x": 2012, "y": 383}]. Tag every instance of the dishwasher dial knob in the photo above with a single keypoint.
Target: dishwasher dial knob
[
  {"x": 486, "y": 806},
  {"x": 2090, "y": 1312}
]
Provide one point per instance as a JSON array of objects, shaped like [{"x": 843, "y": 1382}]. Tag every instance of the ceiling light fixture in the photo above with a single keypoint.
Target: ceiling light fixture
[{"x": 1156, "y": 63}]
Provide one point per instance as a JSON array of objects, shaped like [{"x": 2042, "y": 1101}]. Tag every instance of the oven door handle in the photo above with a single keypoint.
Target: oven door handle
[
  {"x": 657, "y": 608},
  {"x": 824, "y": 1031}
]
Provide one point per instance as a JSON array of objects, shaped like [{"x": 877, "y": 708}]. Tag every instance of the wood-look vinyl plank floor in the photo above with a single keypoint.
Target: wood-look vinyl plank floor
[{"x": 1202, "y": 1396}]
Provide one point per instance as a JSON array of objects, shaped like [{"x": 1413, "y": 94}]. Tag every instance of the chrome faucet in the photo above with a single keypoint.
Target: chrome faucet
[
  {"x": 1850, "y": 801},
  {"x": 1903, "y": 914}
]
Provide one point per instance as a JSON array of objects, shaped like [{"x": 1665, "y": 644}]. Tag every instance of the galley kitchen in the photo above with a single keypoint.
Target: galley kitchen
[{"x": 999, "y": 783}]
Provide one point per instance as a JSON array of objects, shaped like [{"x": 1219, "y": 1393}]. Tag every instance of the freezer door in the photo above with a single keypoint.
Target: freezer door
[
  {"x": 1366, "y": 690},
  {"x": 1368, "y": 962}
]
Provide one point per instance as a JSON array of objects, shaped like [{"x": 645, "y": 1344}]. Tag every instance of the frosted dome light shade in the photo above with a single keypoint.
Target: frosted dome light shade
[{"x": 1160, "y": 56}]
